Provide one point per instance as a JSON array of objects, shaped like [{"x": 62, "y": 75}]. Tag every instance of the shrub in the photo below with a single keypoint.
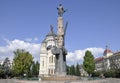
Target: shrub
[
  {"x": 96, "y": 74},
  {"x": 117, "y": 73},
  {"x": 1, "y": 73},
  {"x": 110, "y": 73}
]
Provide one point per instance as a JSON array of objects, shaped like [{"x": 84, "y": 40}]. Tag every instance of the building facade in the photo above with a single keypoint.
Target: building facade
[
  {"x": 115, "y": 60},
  {"x": 47, "y": 59},
  {"x": 99, "y": 64},
  {"x": 82, "y": 71},
  {"x": 109, "y": 60}
]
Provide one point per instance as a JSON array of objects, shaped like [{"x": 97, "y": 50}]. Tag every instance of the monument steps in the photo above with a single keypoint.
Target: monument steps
[{"x": 60, "y": 78}]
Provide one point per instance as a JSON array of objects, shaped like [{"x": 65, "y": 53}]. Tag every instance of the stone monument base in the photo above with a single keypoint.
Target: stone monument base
[{"x": 60, "y": 78}]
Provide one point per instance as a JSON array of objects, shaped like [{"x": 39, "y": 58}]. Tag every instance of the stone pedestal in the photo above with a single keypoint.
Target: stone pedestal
[{"x": 61, "y": 78}]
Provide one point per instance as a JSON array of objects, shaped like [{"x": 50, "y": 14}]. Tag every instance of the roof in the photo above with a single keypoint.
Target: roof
[
  {"x": 51, "y": 33},
  {"x": 107, "y": 51},
  {"x": 98, "y": 59},
  {"x": 115, "y": 54}
]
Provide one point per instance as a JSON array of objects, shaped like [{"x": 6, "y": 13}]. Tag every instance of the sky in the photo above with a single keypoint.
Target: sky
[{"x": 92, "y": 24}]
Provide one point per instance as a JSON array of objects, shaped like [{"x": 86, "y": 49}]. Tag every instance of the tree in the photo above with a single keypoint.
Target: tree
[
  {"x": 6, "y": 67},
  {"x": 97, "y": 74},
  {"x": 68, "y": 69},
  {"x": 35, "y": 69},
  {"x": 110, "y": 73},
  {"x": 77, "y": 71},
  {"x": 1, "y": 73},
  {"x": 22, "y": 62},
  {"x": 88, "y": 63},
  {"x": 72, "y": 70}
]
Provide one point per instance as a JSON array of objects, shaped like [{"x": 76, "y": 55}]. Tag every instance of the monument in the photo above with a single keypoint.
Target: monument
[
  {"x": 59, "y": 50},
  {"x": 53, "y": 52}
]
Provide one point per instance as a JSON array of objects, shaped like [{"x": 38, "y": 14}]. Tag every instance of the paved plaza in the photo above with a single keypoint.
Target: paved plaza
[{"x": 108, "y": 80}]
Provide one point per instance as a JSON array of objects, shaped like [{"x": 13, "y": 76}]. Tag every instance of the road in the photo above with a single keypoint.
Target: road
[
  {"x": 109, "y": 80},
  {"x": 7, "y": 81}
]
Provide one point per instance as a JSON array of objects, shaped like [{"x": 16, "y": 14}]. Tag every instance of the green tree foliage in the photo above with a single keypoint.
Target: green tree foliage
[
  {"x": 1, "y": 73},
  {"x": 6, "y": 67},
  {"x": 96, "y": 73},
  {"x": 117, "y": 72},
  {"x": 88, "y": 63},
  {"x": 35, "y": 69},
  {"x": 72, "y": 70},
  {"x": 68, "y": 69},
  {"x": 77, "y": 71},
  {"x": 112, "y": 73},
  {"x": 109, "y": 73},
  {"x": 22, "y": 62}
]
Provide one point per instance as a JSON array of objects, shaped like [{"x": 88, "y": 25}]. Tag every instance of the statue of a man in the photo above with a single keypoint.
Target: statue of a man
[
  {"x": 60, "y": 66},
  {"x": 60, "y": 10},
  {"x": 60, "y": 53}
]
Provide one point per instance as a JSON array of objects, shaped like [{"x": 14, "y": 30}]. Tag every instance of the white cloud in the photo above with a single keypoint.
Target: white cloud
[
  {"x": 34, "y": 49},
  {"x": 7, "y": 51},
  {"x": 77, "y": 56}
]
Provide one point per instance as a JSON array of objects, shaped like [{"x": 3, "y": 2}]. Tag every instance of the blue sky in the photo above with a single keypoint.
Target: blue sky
[{"x": 91, "y": 23}]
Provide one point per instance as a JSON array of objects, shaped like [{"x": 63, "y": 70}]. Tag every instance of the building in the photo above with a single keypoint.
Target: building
[
  {"x": 6, "y": 63},
  {"x": 82, "y": 71},
  {"x": 47, "y": 59},
  {"x": 99, "y": 64},
  {"x": 109, "y": 60},
  {"x": 1, "y": 62},
  {"x": 115, "y": 60}
]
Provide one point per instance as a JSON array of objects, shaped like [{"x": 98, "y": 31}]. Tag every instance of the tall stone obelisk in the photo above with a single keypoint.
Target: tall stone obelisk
[{"x": 60, "y": 32}]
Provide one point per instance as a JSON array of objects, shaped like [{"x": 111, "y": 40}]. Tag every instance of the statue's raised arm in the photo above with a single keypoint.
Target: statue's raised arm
[{"x": 61, "y": 10}]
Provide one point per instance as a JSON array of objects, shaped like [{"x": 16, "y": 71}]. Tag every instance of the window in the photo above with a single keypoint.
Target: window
[
  {"x": 49, "y": 59},
  {"x": 49, "y": 71},
  {"x": 43, "y": 63},
  {"x": 52, "y": 58}
]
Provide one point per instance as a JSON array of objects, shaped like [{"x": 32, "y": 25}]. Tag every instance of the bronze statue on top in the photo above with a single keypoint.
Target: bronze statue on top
[{"x": 61, "y": 10}]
